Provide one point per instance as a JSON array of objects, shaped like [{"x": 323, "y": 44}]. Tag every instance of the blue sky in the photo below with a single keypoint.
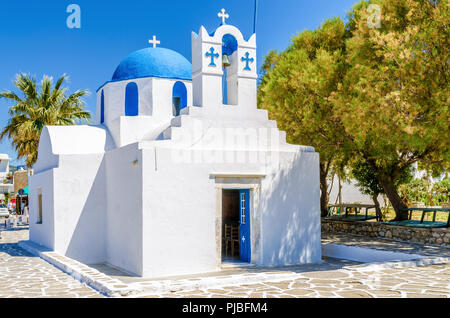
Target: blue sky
[{"x": 35, "y": 38}]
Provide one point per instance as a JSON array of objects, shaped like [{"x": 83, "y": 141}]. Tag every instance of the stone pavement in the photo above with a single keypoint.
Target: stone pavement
[
  {"x": 350, "y": 280},
  {"x": 24, "y": 275},
  {"x": 414, "y": 282}
]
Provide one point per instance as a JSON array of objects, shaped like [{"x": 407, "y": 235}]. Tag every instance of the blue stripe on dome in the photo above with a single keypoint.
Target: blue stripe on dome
[{"x": 153, "y": 62}]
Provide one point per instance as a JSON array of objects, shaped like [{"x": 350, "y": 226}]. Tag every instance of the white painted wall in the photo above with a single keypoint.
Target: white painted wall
[
  {"x": 179, "y": 216},
  {"x": 4, "y": 166},
  {"x": 290, "y": 211},
  {"x": 180, "y": 229},
  {"x": 70, "y": 170},
  {"x": 80, "y": 207},
  {"x": 155, "y": 108},
  {"x": 124, "y": 203},
  {"x": 42, "y": 234}
]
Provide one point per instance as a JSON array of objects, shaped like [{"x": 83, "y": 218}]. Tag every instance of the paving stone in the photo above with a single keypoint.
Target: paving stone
[
  {"x": 417, "y": 295},
  {"x": 299, "y": 292},
  {"x": 326, "y": 274},
  {"x": 256, "y": 295},
  {"x": 354, "y": 294},
  {"x": 24, "y": 275}
]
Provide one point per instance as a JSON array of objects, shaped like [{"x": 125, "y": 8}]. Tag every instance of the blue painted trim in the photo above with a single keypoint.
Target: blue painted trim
[
  {"x": 102, "y": 108},
  {"x": 245, "y": 226},
  {"x": 179, "y": 90},
  {"x": 247, "y": 60},
  {"x": 132, "y": 100},
  {"x": 213, "y": 55}
]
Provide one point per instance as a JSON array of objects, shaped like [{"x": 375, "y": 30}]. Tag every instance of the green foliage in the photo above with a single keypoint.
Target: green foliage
[
  {"x": 415, "y": 191},
  {"x": 445, "y": 185},
  {"x": 7, "y": 196},
  {"x": 362, "y": 94},
  {"x": 366, "y": 180},
  {"x": 39, "y": 107},
  {"x": 394, "y": 99},
  {"x": 298, "y": 83},
  {"x": 296, "y": 90},
  {"x": 441, "y": 191},
  {"x": 421, "y": 190}
]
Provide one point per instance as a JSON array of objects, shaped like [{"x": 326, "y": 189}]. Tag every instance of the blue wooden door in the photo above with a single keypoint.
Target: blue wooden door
[{"x": 245, "y": 244}]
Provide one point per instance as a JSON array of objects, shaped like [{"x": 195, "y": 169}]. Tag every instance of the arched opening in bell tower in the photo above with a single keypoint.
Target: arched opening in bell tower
[
  {"x": 229, "y": 80},
  {"x": 179, "y": 98}
]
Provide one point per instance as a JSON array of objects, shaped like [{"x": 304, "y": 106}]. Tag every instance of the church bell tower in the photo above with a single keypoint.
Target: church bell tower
[{"x": 208, "y": 53}]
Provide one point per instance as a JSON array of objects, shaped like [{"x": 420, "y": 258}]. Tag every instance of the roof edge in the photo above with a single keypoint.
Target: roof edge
[{"x": 135, "y": 78}]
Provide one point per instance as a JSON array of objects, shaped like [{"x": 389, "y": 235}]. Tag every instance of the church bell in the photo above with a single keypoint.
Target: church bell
[{"x": 225, "y": 60}]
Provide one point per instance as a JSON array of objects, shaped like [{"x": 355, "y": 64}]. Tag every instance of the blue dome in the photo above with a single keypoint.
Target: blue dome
[{"x": 154, "y": 62}]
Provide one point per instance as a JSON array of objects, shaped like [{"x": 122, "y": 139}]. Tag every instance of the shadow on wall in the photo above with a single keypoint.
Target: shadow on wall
[
  {"x": 87, "y": 243},
  {"x": 291, "y": 213}
]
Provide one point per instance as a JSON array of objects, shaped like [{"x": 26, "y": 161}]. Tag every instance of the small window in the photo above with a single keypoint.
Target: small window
[
  {"x": 102, "y": 108},
  {"x": 176, "y": 103},
  {"x": 39, "y": 218},
  {"x": 131, "y": 100},
  {"x": 179, "y": 98}
]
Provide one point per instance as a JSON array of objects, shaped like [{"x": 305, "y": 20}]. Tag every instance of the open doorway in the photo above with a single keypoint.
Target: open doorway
[{"x": 236, "y": 225}]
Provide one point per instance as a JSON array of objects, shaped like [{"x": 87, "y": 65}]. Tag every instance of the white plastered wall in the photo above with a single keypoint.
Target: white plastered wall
[
  {"x": 42, "y": 233},
  {"x": 124, "y": 241},
  {"x": 80, "y": 207},
  {"x": 155, "y": 108},
  {"x": 70, "y": 172},
  {"x": 290, "y": 211},
  {"x": 182, "y": 210}
]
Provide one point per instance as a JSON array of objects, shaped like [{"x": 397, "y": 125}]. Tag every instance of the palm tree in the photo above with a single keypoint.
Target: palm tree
[{"x": 34, "y": 110}]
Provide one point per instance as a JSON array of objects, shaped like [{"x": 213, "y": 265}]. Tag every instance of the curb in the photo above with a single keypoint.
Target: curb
[
  {"x": 102, "y": 283},
  {"x": 401, "y": 264}
]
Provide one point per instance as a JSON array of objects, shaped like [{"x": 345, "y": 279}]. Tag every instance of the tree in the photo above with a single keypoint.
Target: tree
[
  {"x": 367, "y": 92},
  {"x": 368, "y": 184},
  {"x": 393, "y": 101},
  {"x": 296, "y": 88},
  {"x": 34, "y": 110}
]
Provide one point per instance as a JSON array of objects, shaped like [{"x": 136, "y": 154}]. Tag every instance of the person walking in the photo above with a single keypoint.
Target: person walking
[{"x": 25, "y": 212}]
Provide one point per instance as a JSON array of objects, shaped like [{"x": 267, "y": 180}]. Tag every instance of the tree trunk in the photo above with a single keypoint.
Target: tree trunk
[
  {"x": 391, "y": 192},
  {"x": 340, "y": 193},
  {"x": 324, "y": 197},
  {"x": 377, "y": 208}
]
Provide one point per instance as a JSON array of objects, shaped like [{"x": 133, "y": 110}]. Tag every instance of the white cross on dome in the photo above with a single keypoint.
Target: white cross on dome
[{"x": 154, "y": 41}]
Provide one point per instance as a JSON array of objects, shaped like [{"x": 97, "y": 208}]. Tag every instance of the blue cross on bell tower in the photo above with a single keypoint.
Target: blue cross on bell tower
[
  {"x": 247, "y": 60},
  {"x": 213, "y": 56}
]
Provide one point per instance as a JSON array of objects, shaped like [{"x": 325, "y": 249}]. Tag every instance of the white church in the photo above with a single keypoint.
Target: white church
[{"x": 180, "y": 153}]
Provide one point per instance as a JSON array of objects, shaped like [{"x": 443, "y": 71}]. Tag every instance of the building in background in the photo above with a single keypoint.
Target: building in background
[
  {"x": 21, "y": 187},
  {"x": 6, "y": 179}
]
